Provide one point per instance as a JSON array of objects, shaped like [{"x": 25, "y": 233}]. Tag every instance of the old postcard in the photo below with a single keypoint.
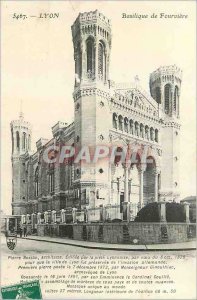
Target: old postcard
[{"x": 98, "y": 165}]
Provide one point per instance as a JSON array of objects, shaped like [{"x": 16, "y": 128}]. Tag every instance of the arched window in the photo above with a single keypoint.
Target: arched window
[
  {"x": 101, "y": 60},
  {"x": 156, "y": 135},
  {"x": 120, "y": 122},
  {"x": 51, "y": 173},
  {"x": 147, "y": 132},
  {"x": 24, "y": 141},
  {"x": 131, "y": 126},
  {"x": 167, "y": 91},
  {"x": 136, "y": 128},
  {"x": 90, "y": 56},
  {"x": 175, "y": 98},
  {"x": 126, "y": 122},
  {"x": 152, "y": 134},
  {"x": 36, "y": 182},
  {"x": 115, "y": 120},
  {"x": 17, "y": 140},
  {"x": 158, "y": 94},
  {"x": 141, "y": 130},
  {"x": 51, "y": 179}
]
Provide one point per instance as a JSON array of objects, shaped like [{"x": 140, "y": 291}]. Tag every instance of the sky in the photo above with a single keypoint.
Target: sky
[{"x": 38, "y": 67}]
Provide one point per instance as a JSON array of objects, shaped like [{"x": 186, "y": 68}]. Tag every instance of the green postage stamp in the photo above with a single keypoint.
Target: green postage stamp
[{"x": 22, "y": 291}]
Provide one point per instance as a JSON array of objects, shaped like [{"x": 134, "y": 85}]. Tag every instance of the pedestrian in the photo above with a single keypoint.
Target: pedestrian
[{"x": 25, "y": 231}]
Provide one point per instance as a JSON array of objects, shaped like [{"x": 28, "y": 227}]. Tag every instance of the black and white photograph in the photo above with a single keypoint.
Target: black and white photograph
[{"x": 98, "y": 150}]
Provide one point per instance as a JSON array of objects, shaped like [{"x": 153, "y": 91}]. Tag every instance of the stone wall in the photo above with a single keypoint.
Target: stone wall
[{"x": 121, "y": 233}]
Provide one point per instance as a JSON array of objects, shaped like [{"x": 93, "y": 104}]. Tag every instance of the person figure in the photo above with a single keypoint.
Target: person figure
[
  {"x": 21, "y": 232},
  {"x": 25, "y": 231}
]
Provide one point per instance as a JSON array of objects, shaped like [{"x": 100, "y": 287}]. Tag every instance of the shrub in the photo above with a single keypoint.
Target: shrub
[{"x": 151, "y": 213}]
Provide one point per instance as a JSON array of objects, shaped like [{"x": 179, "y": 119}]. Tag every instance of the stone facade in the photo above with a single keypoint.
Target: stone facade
[{"x": 106, "y": 113}]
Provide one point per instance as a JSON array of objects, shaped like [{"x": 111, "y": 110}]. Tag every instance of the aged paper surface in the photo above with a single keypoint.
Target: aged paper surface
[{"x": 38, "y": 79}]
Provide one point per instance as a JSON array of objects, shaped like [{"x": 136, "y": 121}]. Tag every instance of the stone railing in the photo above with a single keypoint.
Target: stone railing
[
  {"x": 125, "y": 212},
  {"x": 93, "y": 214},
  {"x": 113, "y": 212}
]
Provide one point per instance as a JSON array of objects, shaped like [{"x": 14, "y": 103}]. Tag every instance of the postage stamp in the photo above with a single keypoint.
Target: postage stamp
[{"x": 22, "y": 291}]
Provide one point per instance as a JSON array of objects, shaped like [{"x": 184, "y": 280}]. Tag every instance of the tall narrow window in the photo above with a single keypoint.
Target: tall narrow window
[
  {"x": 131, "y": 126},
  {"x": 78, "y": 61},
  {"x": 158, "y": 95},
  {"x": 17, "y": 140},
  {"x": 90, "y": 56},
  {"x": 175, "y": 98},
  {"x": 147, "y": 132},
  {"x": 167, "y": 92},
  {"x": 115, "y": 120},
  {"x": 51, "y": 178},
  {"x": 141, "y": 130},
  {"x": 120, "y": 122},
  {"x": 51, "y": 183},
  {"x": 101, "y": 61},
  {"x": 136, "y": 128},
  {"x": 156, "y": 135},
  {"x": 36, "y": 182},
  {"x": 24, "y": 141},
  {"x": 126, "y": 122},
  {"x": 152, "y": 135}
]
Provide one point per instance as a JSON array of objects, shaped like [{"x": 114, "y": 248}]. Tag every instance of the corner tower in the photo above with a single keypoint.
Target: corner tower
[
  {"x": 91, "y": 33},
  {"x": 165, "y": 87},
  {"x": 21, "y": 146}
]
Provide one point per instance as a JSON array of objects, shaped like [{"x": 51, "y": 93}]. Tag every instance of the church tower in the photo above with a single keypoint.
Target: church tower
[
  {"x": 21, "y": 146},
  {"x": 165, "y": 86},
  {"x": 91, "y": 33}
]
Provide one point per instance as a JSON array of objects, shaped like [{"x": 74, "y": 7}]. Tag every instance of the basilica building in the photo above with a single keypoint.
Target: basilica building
[{"x": 105, "y": 113}]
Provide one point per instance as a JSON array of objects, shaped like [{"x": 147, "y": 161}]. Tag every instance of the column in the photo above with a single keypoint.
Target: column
[
  {"x": 110, "y": 183},
  {"x": 186, "y": 209},
  {"x": 16, "y": 224},
  {"x": 39, "y": 218},
  {"x": 130, "y": 182},
  {"x": 178, "y": 105},
  {"x": 32, "y": 219},
  {"x": 96, "y": 59},
  {"x": 125, "y": 211},
  {"x": 14, "y": 142},
  {"x": 162, "y": 211},
  {"x": 63, "y": 216},
  {"x": 83, "y": 61},
  {"x": 53, "y": 216},
  {"x": 74, "y": 215},
  {"x": 86, "y": 215},
  {"x": 171, "y": 103},
  {"x": 118, "y": 190},
  {"x": 101, "y": 213},
  {"x": 141, "y": 188},
  {"x": 46, "y": 217},
  {"x": 28, "y": 219},
  {"x": 143, "y": 132},
  {"x": 126, "y": 186},
  {"x": 156, "y": 185}
]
